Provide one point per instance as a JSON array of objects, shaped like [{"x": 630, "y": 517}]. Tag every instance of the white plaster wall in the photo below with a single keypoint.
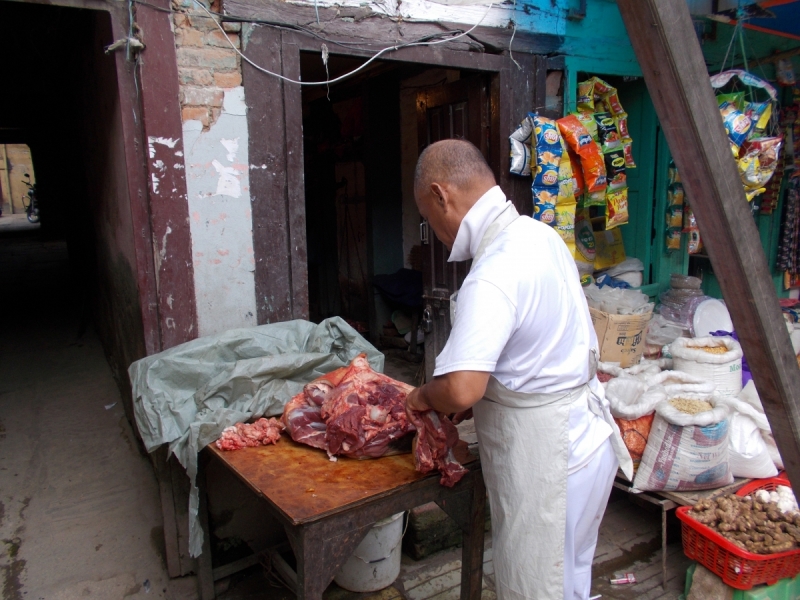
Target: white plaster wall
[{"x": 220, "y": 218}]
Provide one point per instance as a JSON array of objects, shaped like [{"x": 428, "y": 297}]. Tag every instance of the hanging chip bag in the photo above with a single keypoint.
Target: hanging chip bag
[
  {"x": 565, "y": 222},
  {"x": 616, "y": 208},
  {"x": 520, "y": 142},
  {"x": 585, "y": 248},
  {"x": 607, "y": 134},
  {"x": 759, "y": 113},
  {"x": 627, "y": 150},
  {"x": 579, "y": 140},
  {"x": 587, "y": 120},
  {"x": 579, "y": 187},
  {"x": 735, "y": 98},
  {"x": 612, "y": 100},
  {"x": 622, "y": 125},
  {"x": 737, "y": 124},
  {"x": 759, "y": 162},
  {"x": 615, "y": 169},
  {"x": 601, "y": 88},
  {"x": 548, "y": 152},
  {"x": 544, "y": 204},
  {"x": 586, "y": 96}
]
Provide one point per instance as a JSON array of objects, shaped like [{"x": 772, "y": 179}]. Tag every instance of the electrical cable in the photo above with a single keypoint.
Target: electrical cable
[{"x": 354, "y": 71}]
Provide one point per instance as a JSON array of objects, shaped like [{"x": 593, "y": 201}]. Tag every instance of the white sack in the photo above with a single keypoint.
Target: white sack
[
  {"x": 723, "y": 370},
  {"x": 632, "y": 398},
  {"x": 686, "y": 452},
  {"x": 750, "y": 395},
  {"x": 678, "y": 382}
]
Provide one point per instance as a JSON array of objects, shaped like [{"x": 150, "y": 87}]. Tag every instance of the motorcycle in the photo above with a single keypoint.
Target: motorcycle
[{"x": 32, "y": 205}]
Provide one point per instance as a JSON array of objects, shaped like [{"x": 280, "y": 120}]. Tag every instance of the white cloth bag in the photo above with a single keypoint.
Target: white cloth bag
[{"x": 723, "y": 370}]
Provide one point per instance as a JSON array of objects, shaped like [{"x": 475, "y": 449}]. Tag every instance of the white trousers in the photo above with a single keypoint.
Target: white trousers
[{"x": 588, "y": 490}]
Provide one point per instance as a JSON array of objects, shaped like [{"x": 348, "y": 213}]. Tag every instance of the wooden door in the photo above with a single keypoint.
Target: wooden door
[{"x": 456, "y": 110}]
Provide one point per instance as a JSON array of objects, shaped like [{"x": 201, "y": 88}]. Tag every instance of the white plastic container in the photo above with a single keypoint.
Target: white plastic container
[{"x": 375, "y": 564}]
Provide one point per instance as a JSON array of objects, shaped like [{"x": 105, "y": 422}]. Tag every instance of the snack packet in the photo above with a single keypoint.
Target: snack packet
[
  {"x": 594, "y": 199},
  {"x": 520, "y": 142},
  {"x": 759, "y": 113},
  {"x": 586, "y": 96},
  {"x": 579, "y": 187},
  {"x": 735, "y": 98},
  {"x": 607, "y": 134},
  {"x": 615, "y": 169},
  {"x": 544, "y": 204},
  {"x": 674, "y": 216},
  {"x": 673, "y": 238},
  {"x": 616, "y": 208},
  {"x": 585, "y": 248},
  {"x": 579, "y": 140},
  {"x": 601, "y": 88},
  {"x": 627, "y": 149},
  {"x": 622, "y": 125},
  {"x": 565, "y": 222},
  {"x": 737, "y": 124},
  {"x": 758, "y": 164},
  {"x": 548, "y": 152},
  {"x": 694, "y": 243},
  {"x": 587, "y": 120},
  {"x": 612, "y": 100}
]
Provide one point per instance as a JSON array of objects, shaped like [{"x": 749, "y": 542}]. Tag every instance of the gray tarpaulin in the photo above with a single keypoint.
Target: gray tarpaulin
[{"x": 187, "y": 395}]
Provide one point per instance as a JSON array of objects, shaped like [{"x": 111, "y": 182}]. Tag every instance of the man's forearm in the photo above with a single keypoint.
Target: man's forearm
[{"x": 453, "y": 392}]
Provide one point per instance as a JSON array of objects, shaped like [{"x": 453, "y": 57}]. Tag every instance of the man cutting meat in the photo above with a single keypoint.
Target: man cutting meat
[{"x": 522, "y": 354}]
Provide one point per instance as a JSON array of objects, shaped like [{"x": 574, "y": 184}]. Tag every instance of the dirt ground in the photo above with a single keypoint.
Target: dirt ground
[{"x": 79, "y": 507}]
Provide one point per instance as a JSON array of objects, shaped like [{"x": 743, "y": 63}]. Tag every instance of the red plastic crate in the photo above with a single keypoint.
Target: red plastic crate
[{"x": 737, "y": 567}]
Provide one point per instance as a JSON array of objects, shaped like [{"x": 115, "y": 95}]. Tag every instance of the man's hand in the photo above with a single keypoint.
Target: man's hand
[{"x": 451, "y": 393}]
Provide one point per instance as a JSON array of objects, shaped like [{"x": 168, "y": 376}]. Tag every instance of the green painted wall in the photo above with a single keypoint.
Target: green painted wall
[{"x": 599, "y": 45}]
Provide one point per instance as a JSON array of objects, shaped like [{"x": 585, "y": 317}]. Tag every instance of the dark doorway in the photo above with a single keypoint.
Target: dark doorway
[
  {"x": 64, "y": 103},
  {"x": 361, "y": 142}
]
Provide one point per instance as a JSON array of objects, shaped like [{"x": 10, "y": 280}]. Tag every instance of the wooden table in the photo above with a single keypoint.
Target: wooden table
[{"x": 328, "y": 507}]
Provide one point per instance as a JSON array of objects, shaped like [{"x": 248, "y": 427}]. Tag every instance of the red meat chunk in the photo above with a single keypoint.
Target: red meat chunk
[
  {"x": 357, "y": 412},
  {"x": 244, "y": 435}
]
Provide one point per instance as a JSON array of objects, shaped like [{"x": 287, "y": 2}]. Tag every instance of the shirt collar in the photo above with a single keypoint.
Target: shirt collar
[{"x": 475, "y": 224}]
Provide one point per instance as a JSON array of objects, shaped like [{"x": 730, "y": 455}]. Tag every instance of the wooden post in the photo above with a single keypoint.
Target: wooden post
[{"x": 672, "y": 63}]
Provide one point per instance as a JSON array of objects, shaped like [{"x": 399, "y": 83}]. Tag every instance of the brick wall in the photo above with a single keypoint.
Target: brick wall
[{"x": 207, "y": 65}]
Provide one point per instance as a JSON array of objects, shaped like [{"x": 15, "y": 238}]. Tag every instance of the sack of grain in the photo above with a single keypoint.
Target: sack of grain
[
  {"x": 687, "y": 448},
  {"x": 714, "y": 359},
  {"x": 678, "y": 382},
  {"x": 631, "y": 398}
]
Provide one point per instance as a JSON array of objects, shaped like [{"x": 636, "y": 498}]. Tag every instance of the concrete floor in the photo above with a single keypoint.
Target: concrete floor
[{"x": 79, "y": 506}]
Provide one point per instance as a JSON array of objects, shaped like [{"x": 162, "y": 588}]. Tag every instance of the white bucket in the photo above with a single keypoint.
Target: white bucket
[{"x": 375, "y": 564}]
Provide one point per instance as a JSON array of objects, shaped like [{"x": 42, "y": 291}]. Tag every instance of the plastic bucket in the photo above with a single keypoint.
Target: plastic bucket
[{"x": 375, "y": 564}]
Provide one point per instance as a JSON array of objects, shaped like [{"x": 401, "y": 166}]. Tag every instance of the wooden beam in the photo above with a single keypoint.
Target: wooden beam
[{"x": 672, "y": 62}]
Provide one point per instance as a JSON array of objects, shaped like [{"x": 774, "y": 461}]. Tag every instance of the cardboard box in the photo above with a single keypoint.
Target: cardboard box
[{"x": 621, "y": 337}]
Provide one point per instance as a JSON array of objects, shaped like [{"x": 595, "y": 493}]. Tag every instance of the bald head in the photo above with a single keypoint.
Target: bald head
[
  {"x": 457, "y": 162},
  {"x": 451, "y": 176}
]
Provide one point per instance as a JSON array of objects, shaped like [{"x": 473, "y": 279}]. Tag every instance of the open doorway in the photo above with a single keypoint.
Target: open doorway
[
  {"x": 80, "y": 267},
  {"x": 361, "y": 140}
]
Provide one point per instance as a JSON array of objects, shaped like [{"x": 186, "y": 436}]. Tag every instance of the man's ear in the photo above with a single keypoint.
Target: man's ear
[{"x": 439, "y": 194}]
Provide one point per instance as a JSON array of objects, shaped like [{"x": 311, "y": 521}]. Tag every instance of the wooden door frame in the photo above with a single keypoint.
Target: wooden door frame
[{"x": 274, "y": 118}]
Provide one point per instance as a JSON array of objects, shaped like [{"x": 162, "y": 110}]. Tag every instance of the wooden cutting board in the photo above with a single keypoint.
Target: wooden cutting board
[{"x": 305, "y": 485}]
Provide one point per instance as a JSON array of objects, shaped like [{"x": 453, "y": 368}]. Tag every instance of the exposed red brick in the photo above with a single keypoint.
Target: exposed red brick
[
  {"x": 195, "y": 113},
  {"x": 201, "y": 96},
  {"x": 186, "y": 36},
  {"x": 217, "y": 38},
  {"x": 190, "y": 76},
  {"x": 217, "y": 59},
  {"x": 228, "y": 80}
]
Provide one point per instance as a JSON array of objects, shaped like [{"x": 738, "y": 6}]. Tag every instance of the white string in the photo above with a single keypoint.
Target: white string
[
  {"x": 513, "y": 33},
  {"x": 346, "y": 75}
]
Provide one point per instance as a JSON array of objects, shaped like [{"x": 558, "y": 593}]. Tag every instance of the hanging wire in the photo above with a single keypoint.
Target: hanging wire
[{"x": 354, "y": 71}]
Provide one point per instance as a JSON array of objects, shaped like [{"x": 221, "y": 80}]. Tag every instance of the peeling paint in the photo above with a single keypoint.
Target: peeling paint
[
  {"x": 169, "y": 301},
  {"x": 217, "y": 178},
  {"x": 232, "y": 146},
  {"x": 155, "y": 181},
  {"x": 228, "y": 183},
  {"x": 152, "y": 141}
]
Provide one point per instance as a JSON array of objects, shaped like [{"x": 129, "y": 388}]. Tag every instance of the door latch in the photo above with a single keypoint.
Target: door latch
[
  {"x": 427, "y": 320},
  {"x": 423, "y": 232}
]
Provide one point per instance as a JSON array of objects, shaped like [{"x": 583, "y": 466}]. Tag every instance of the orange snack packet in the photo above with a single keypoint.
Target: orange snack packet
[{"x": 580, "y": 141}]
